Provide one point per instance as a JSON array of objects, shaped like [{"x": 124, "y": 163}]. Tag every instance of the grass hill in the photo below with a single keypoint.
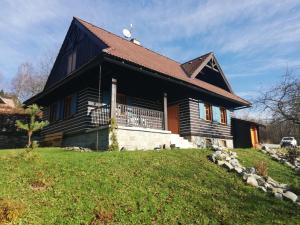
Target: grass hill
[{"x": 54, "y": 186}]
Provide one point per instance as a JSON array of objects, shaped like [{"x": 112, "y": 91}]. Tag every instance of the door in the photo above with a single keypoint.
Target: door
[
  {"x": 173, "y": 119},
  {"x": 254, "y": 138}
]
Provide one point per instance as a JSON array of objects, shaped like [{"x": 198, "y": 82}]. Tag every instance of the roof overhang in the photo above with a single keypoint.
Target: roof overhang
[{"x": 127, "y": 64}]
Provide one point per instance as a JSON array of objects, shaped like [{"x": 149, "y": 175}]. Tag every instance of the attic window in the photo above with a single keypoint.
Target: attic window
[{"x": 71, "y": 62}]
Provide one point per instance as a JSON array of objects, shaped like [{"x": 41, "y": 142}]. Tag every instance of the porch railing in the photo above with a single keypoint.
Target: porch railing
[
  {"x": 100, "y": 115},
  {"x": 133, "y": 116},
  {"x": 130, "y": 116}
]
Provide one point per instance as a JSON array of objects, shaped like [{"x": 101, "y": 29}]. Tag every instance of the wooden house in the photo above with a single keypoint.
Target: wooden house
[{"x": 155, "y": 100}]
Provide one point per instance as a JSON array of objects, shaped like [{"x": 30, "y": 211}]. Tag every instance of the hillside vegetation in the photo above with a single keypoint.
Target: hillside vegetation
[{"x": 54, "y": 186}]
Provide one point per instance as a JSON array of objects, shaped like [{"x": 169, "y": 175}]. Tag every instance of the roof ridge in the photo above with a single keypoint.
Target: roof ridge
[
  {"x": 79, "y": 19},
  {"x": 206, "y": 54}
]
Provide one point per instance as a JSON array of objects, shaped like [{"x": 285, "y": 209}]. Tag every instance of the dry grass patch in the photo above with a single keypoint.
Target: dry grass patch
[
  {"x": 261, "y": 168},
  {"x": 102, "y": 216},
  {"x": 10, "y": 211}
]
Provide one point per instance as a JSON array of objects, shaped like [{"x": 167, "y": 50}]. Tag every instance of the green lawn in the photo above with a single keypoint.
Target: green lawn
[{"x": 166, "y": 187}]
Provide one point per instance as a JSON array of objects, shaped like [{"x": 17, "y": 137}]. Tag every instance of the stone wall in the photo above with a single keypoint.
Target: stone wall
[
  {"x": 204, "y": 142},
  {"x": 143, "y": 139}
]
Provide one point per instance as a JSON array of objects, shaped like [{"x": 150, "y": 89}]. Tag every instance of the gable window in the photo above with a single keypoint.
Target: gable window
[
  {"x": 71, "y": 62},
  {"x": 208, "y": 112},
  {"x": 223, "y": 115}
]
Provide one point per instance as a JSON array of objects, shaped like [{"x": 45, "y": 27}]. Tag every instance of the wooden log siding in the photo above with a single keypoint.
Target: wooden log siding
[
  {"x": 192, "y": 125},
  {"x": 80, "y": 121}
]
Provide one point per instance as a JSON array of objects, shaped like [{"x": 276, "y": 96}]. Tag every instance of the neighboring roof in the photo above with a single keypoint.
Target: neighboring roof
[
  {"x": 7, "y": 102},
  {"x": 126, "y": 50},
  {"x": 249, "y": 121}
]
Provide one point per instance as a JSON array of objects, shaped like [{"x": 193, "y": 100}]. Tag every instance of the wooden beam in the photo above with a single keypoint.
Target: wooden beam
[
  {"x": 198, "y": 70},
  {"x": 113, "y": 103},
  {"x": 212, "y": 68},
  {"x": 165, "y": 111}
]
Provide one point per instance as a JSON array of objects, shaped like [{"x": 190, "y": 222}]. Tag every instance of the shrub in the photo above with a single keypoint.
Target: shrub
[
  {"x": 114, "y": 145},
  {"x": 33, "y": 125},
  {"x": 261, "y": 168}
]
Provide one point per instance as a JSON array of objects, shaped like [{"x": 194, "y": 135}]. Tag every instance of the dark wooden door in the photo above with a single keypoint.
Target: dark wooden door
[{"x": 173, "y": 119}]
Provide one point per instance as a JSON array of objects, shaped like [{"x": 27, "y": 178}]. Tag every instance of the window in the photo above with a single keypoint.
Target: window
[
  {"x": 69, "y": 106},
  {"x": 208, "y": 112},
  {"x": 223, "y": 115},
  {"x": 53, "y": 112},
  {"x": 71, "y": 62}
]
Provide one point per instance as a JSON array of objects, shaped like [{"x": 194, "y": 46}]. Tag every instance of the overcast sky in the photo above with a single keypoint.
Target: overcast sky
[{"x": 254, "y": 41}]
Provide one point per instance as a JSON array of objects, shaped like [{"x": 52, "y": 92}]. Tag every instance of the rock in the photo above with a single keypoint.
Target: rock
[
  {"x": 221, "y": 162},
  {"x": 284, "y": 186},
  {"x": 289, "y": 164},
  {"x": 277, "y": 190},
  {"x": 290, "y": 196},
  {"x": 252, "y": 181},
  {"x": 246, "y": 175},
  {"x": 239, "y": 170},
  {"x": 275, "y": 157},
  {"x": 213, "y": 158},
  {"x": 234, "y": 162},
  {"x": 251, "y": 170},
  {"x": 261, "y": 181},
  {"x": 278, "y": 195},
  {"x": 266, "y": 148},
  {"x": 228, "y": 166},
  {"x": 272, "y": 182},
  {"x": 233, "y": 154},
  {"x": 262, "y": 188},
  {"x": 227, "y": 158}
]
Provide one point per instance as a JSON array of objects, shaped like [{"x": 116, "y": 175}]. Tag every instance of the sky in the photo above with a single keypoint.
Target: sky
[{"x": 253, "y": 41}]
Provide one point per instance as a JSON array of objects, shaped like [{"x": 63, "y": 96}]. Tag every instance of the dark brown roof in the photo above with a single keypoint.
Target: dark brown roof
[
  {"x": 190, "y": 66},
  {"x": 126, "y": 50}
]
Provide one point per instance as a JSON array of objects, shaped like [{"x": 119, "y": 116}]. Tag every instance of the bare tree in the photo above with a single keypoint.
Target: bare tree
[
  {"x": 30, "y": 79},
  {"x": 282, "y": 101},
  {"x": 24, "y": 83}
]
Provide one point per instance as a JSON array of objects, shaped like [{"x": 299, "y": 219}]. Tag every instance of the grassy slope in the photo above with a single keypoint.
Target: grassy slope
[{"x": 167, "y": 187}]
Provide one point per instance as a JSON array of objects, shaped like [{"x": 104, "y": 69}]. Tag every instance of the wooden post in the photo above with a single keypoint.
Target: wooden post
[
  {"x": 165, "y": 111},
  {"x": 113, "y": 103}
]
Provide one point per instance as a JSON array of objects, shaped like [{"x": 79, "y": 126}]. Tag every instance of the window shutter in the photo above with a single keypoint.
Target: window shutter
[
  {"x": 228, "y": 114},
  {"x": 201, "y": 110},
  {"x": 216, "y": 114},
  {"x": 73, "y": 104}
]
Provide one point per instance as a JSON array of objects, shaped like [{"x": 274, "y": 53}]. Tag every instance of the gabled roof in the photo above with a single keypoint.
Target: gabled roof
[
  {"x": 192, "y": 65},
  {"x": 131, "y": 52},
  {"x": 195, "y": 66}
]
